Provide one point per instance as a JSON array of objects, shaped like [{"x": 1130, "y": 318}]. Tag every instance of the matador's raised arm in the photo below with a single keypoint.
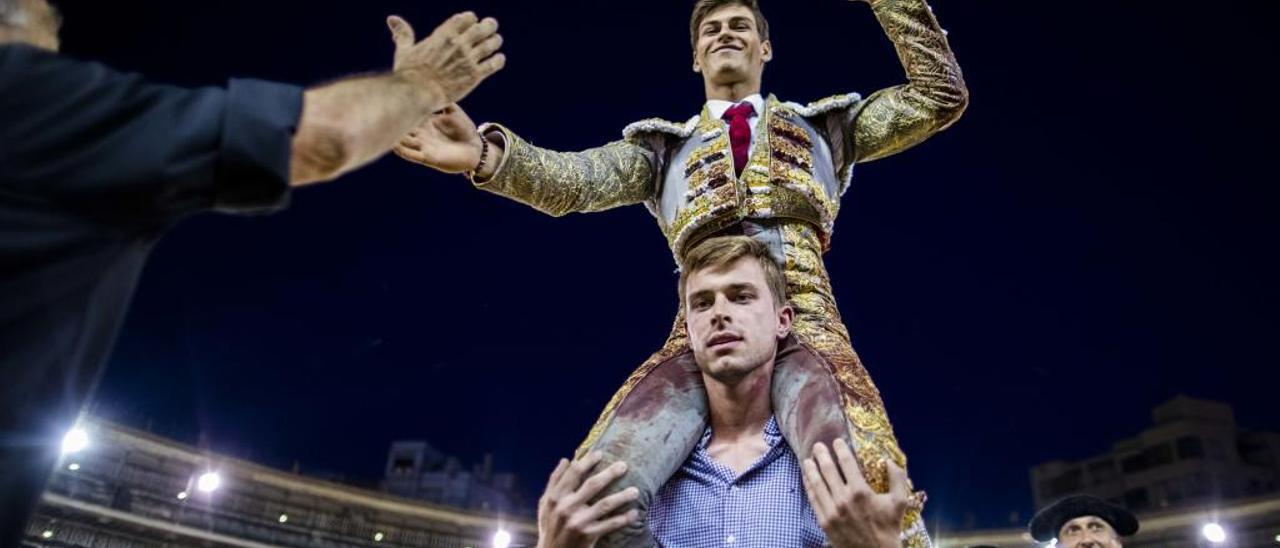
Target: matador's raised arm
[
  {"x": 617, "y": 174},
  {"x": 897, "y": 118}
]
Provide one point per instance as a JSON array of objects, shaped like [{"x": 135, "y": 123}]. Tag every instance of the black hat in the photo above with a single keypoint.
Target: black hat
[{"x": 1046, "y": 524}]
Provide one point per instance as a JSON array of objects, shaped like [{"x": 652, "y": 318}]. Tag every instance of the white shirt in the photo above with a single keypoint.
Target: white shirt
[{"x": 717, "y": 108}]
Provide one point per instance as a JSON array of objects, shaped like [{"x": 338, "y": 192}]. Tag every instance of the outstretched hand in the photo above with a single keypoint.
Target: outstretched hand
[
  {"x": 446, "y": 140},
  {"x": 458, "y": 55}
]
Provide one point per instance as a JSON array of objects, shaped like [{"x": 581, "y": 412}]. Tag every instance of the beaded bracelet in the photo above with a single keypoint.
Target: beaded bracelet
[{"x": 484, "y": 153}]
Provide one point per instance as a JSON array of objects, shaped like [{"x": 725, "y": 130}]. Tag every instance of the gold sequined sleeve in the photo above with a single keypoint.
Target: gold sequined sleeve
[
  {"x": 556, "y": 183},
  {"x": 895, "y": 119}
]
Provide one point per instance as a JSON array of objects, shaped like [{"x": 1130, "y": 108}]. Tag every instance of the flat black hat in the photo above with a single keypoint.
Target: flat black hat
[{"x": 1046, "y": 524}]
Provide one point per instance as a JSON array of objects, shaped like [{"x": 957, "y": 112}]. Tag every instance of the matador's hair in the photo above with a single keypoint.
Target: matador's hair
[
  {"x": 723, "y": 251},
  {"x": 704, "y": 7}
]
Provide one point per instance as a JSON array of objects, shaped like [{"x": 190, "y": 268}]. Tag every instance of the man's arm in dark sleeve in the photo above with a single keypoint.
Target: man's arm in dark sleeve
[
  {"x": 120, "y": 150},
  {"x": 116, "y": 149}
]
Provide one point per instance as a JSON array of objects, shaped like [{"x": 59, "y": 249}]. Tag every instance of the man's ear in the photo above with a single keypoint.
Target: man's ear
[
  {"x": 766, "y": 51},
  {"x": 697, "y": 68},
  {"x": 786, "y": 317}
]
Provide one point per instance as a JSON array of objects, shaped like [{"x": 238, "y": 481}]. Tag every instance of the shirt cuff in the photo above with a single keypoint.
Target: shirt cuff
[{"x": 257, "y": 143}]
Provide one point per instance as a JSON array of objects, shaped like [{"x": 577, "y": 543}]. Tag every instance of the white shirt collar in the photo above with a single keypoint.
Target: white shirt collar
[{"x": 717, "y": 107}]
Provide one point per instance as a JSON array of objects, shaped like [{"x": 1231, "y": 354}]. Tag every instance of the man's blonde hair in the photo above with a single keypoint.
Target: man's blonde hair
[{"x": 723, "y": 251}]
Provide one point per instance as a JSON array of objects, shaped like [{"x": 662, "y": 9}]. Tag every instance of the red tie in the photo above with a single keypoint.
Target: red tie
[{"x": 739, "y": 118}]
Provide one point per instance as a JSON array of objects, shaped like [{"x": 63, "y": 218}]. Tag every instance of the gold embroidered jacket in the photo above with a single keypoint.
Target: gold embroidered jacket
[{"x": 800, "y": 164}]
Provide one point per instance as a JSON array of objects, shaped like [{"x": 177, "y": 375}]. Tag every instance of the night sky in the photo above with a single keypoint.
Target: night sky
[{"x": 1095, "y": 236}]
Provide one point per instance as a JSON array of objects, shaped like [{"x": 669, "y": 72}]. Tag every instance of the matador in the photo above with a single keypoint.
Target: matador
[{"x": 747, "y": 164}]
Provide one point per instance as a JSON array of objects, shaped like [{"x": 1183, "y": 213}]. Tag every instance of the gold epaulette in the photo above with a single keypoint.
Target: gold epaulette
[
  {"x": 658, "y": 125},
  {"x": 824, "y": 106}
]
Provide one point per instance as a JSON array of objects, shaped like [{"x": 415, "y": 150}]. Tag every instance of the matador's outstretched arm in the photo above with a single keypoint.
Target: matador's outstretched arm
[
  {"x": 556, "y": 183},
  {"x": 897, "y": 118},
  {"x": 617, "y": 174}
]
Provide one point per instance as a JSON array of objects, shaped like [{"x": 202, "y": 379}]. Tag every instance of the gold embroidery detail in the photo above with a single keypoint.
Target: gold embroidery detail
[
  {"x": 713, "y": 197},
  {"x": 897, "y": 118},
  {"x": 556, "y": 183},
  {"x": 794, "y": 134}
]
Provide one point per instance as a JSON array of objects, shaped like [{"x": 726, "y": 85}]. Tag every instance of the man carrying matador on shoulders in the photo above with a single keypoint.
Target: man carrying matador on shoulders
[{"x": 752, "y": 165}]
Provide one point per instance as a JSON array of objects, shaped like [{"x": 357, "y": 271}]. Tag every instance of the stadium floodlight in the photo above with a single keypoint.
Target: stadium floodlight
[
  {"x": 208, "y": 482},
  {"x": 75, "y": 441},
  {"x": 377, "y": 537},
  {"x": 182, "y": 495},
  {"x": 1213, "y": 532},
  {"x": 501, "y": 539},
  {"x": 47, "y": 534},
  {"x": 73, "y": 466},
  {"x": 283, "y": 518}
]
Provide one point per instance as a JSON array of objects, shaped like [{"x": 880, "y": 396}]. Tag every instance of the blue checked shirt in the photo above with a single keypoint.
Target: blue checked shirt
[{"x": 705, "y": 504}]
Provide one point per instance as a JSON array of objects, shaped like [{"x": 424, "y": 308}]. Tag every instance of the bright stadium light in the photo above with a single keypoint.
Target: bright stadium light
[
  {"x": 283, "y": 518},
  {"x": 73, "y": 466},
  {"x": 208, "y": 482},
  {"x": 1214, "y": 533},
  {"x": 47, "y": 534},
  {"x": 377, "y": 537},
  {"x": 501, "y": 539},
  {"x": 75, "y": 441},
  {"x": 182, "y": 495}
]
